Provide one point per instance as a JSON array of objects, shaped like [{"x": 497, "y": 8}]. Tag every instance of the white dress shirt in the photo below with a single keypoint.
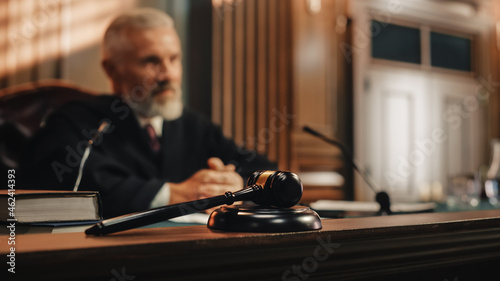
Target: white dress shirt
[{"x": 161, "y": 198}]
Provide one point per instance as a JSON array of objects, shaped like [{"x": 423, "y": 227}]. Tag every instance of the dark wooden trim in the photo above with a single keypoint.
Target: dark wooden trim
[
  {"x": 239, "y": 76},
  {"x": 227, "y": 68},
  {"x": 250, "y": 85},
  {"x": 272, "y": 78},
  {"x": 345, "y": 93},
  {"x": 216, "y": 71},
  {"x": 199, "y": 56}
]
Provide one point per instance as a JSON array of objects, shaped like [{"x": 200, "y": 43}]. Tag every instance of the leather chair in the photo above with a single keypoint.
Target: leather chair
[{"x": 23, "y": 109}]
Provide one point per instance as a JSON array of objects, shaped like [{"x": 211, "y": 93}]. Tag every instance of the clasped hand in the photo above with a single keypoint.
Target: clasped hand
[{"x": 214, "y": 181}]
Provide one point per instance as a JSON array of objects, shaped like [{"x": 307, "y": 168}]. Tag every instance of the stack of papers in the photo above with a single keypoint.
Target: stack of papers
[{"x": 361, "y": 206}]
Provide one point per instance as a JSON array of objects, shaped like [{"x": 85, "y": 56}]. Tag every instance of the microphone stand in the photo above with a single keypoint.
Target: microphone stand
[
  {"x": 102, "y": 129},
  {"x": 381, "y": 197}
]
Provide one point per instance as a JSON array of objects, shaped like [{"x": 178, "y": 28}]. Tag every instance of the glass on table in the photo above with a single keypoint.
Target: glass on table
[{"x": 464, "y": 192}]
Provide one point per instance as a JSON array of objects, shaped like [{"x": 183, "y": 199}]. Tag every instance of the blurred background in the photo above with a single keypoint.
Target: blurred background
[{"x": 409, "y": 86}]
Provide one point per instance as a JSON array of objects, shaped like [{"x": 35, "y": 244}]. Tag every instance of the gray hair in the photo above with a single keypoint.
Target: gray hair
[{"x": 141, "y": 18}]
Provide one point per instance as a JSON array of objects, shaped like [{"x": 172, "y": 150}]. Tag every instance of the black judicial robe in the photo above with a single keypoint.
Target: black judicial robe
[{"x": 121, "y": 165}]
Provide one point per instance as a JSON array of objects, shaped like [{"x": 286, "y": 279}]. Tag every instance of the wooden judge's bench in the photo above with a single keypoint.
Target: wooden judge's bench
[{"x": 429, "y": 246}]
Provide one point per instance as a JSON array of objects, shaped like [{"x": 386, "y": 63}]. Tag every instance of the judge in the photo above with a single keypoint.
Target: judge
[{"x": 155, "y": 151}]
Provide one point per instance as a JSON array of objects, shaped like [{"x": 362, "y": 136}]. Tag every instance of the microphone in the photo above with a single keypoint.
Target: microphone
[
  {"x": 267, "y": 188},
  {"x": 381, "y": 196},
  {"x": 102, "y": 129}
]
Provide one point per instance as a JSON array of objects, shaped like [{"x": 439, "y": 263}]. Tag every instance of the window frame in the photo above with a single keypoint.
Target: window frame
[{"x": 425, "y": 49}]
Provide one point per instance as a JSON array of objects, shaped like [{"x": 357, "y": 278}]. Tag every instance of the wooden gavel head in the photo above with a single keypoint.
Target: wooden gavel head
[
  {"x": 277, "y": 193},
  {"x": 279, "y": 189}
]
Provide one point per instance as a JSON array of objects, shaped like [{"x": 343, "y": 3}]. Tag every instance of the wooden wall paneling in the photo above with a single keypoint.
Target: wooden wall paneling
[
  {"x": 217, "y": 60},
  {"x": 313, "y": 40},
  {"x": 239, "y": 66},
  {"x": 343, "y": 103},
  {"x": 331, "y": 72},
  {"x": 250, "y": 74},
  {"x": 285, "y": 97},
  {"x": 198, "y": 54},
  {"x": 316, "y": 95},
  {"x": 262, "y": 74},
  {"x": 346, "y": 107},
  {"x": 343, "y": 68},
  {"x": 270, "y": 131},
  {"x": 251, "y": 92},
  {"x": 228, "y": 68}
]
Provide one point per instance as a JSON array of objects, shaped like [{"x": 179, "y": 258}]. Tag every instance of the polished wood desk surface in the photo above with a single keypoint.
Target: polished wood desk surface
[
  {"x": 428, "y": 244},
  {"x": 341, "y": 228}
]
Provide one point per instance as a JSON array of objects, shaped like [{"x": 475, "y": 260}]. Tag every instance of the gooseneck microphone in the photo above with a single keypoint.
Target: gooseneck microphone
[
  {"x": 381, "y": 196},
  {"x": 266, "y": 188},
  {"x": 102, "y": 129}
]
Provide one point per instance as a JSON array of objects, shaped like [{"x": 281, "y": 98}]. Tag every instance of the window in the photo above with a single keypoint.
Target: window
[
  {"x": 395, "y": 42},
  {"x": 450, "y": 51},
  {"x": 404, "y": 44}
]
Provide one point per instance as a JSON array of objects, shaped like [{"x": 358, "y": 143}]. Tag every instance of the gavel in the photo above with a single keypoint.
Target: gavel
[{"x": 266, "y": 188}]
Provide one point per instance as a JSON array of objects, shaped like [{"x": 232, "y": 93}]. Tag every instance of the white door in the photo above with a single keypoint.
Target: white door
[
  {"x": 416, "y": 124},
  {"x": 420, "y": 128}
]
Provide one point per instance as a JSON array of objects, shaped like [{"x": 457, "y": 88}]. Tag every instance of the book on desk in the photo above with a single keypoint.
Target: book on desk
[{"x": 36, "y": 211}]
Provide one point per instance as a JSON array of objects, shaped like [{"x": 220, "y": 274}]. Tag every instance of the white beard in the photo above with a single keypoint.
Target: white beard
[{"x": 169, "y": 108}]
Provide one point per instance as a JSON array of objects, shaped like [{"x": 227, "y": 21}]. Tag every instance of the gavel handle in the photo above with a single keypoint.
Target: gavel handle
[{"x": 159, "y": 214}]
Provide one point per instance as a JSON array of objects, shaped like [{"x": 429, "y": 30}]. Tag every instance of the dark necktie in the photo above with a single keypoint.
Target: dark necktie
[{"x": 153, "y": 140}]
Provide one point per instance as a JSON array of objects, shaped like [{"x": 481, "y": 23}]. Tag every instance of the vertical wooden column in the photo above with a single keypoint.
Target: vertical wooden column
[
  {"x": 283, "y": 115},
  {"x": 272, "y": 75},
  {"x": 239, "y": 76},
  {"x": 217, "y": 71},
  {"x": 250, "y": 74}
]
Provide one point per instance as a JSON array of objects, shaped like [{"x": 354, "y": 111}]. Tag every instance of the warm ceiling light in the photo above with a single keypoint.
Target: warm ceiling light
[{"x": 314, "y": 6}]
